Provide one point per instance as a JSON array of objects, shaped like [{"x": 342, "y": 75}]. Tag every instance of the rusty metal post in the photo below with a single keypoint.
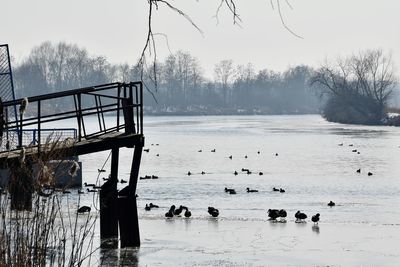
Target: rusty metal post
[
  {"x": 108, "y": 204},
  {"x": 128, "y": 217}
]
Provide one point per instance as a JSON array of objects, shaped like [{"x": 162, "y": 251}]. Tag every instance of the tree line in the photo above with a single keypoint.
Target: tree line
[{"x": 176, "y": 85}]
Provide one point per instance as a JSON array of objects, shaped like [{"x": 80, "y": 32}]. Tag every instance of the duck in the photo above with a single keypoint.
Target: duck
[
  {"x": 273, "y": 214},
  {"x": 146, "y": 150},
  {"x": 235, "y": 173},
  {"x": 370, "y": 173},
  {"x": 213, "y": 211},
  {"x": 276, "y": 154},
  {"x": 170, "y": 213},
  {"x": 84, "y": 209},
  {"x": 275, "y": 189},
  {"x": 178, "y": 211},
  {"x": 282, "y": 213},
  {"x": 80, "y": 191},
  {"x": 315, "y": 218},
  {"x": 251, "y": 190},
  {"x": 153, "y": 205},
  {"x": 228, "y": 189},
  {"x": 248, "y": 172},
  {"x": 154, "y": 177},
  {"x": 157, "y": 155},
  {"x": 213, "y": 150},
  {"x": 189, "y": 173},
  {"x": 282, "y": 190},
  {"x": 200, "y": 150},
  {"x": 230, "y": 157},
  {"x": 258, "y": 152},
  {"x": 187, "y": 213},
  {"x": 123, "y": 181},
  {"x": 91, "y": 190},
  {"x": 101, "y": 170},
  {"x": 358, "y": 171},
  {"x": 300, "y": 216},
  {"x": 260, "y": 173},
  {"x": 245, "y": 156},
  {"x": 245, "y": 170},
  {"x": 147, "y": 208},
  {"x": 202, "y": 173},
  {"x": 331, "y": 203},
  {"x": 232, "y": 192},
  {"x": 354, "y": 150}
]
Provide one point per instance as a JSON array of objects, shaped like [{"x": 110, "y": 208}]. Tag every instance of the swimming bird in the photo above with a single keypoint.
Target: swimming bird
[
  {"x": 202, "y": 173},
  {"x": 282, "y": 190},
  {"x": 178, "y": 211},
  {"x": 354, "y": 150},
  {"x": 154, "y": 177},
  {"x": 200, "y": 150},
  {"x": 101, "y": 170},
  {"x": 213, "y": 150},
  {"x": 189, "y": 173},
  {"x": 84, "y": 209},
  {"x": 91, "y": 190},
  {"x": 251, "y": 190},
  {"x": 245, "y": 170},
  {"x": 86, "y": 184},
  {"x": 213, "y": 211},
  {"x": 258, "y": 152},
  {"x": 146, "y": 150},
  {"x": 273, "y": 214},
  {"x": 248, "y": 172},
  {"x": 147, "y": 208},
  {"x": 350, "y": 144},
  {"x": 359, "y": 170},
  {"x": 276, "y": 154},
  {"x": 245, "y": 156},
  {"x": 123, "y": 181},
  {"x": 331, "y": 203},
  {"x": 157, "y": 155},
  {"x": 370, "y": 173},
  {"x": 228, "y": 189},
  {"x": 66, "y": 192},
  {"x": 153, "y": 205},
  {"x": 170, "y": 213},
  {"x": 235, "y": 173},
  {"x": 230, "y": 157},
  {"x": 81, "y": 192},
  {"x": 275, "y": 189},
  {"x": 341, "y": 144},
  {"x": 315, "y": 218},
  {"x": 232, "y": 192},
  {"x": 260, "y": 173},
  {"x": 300, "y": 216}
]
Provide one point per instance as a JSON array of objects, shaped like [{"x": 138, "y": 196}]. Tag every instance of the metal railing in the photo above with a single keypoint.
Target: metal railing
[{"x": 115, "y": 107}]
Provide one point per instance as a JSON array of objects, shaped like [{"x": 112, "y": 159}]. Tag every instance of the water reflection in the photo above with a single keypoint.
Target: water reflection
[
  {"x": 315, "y": 229},
  {"x": 119, "y": 257}
]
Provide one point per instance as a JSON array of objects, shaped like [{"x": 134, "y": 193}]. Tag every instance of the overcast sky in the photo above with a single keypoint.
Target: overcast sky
[{"x": 116, "y": 29}]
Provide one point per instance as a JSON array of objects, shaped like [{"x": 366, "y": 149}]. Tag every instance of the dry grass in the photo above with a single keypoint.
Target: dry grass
[{"x": 38, "y": 225}]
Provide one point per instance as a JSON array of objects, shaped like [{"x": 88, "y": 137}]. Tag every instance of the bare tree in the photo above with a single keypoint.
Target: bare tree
[
  {"x": 362, "y": 83},
  {"x": 224, "y": 71}
]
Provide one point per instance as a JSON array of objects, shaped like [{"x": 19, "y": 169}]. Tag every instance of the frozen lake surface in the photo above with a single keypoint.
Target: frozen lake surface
[{"x": 363, "y": 229}]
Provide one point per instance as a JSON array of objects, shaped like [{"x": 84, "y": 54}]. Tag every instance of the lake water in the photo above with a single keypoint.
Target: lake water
[{"x": 363, "y": 229}]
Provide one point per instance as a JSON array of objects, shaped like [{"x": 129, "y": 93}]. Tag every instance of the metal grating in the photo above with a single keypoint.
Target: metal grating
[{"x": 6, "y": 79}]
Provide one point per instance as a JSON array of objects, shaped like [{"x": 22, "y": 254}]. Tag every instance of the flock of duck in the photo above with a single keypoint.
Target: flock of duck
[{"x": 273, "y": 214}]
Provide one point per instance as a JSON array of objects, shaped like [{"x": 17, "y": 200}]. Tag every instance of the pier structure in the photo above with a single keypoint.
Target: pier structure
[{"x": 118, "y": 112}]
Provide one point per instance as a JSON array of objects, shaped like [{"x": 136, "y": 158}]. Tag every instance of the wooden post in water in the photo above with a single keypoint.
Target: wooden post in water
[
  {"x": 128, "y": 217},
  {"x": 108, "y": 204}
]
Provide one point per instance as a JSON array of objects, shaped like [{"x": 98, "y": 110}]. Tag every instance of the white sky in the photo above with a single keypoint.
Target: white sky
[{"x": 116, "y": 29}]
